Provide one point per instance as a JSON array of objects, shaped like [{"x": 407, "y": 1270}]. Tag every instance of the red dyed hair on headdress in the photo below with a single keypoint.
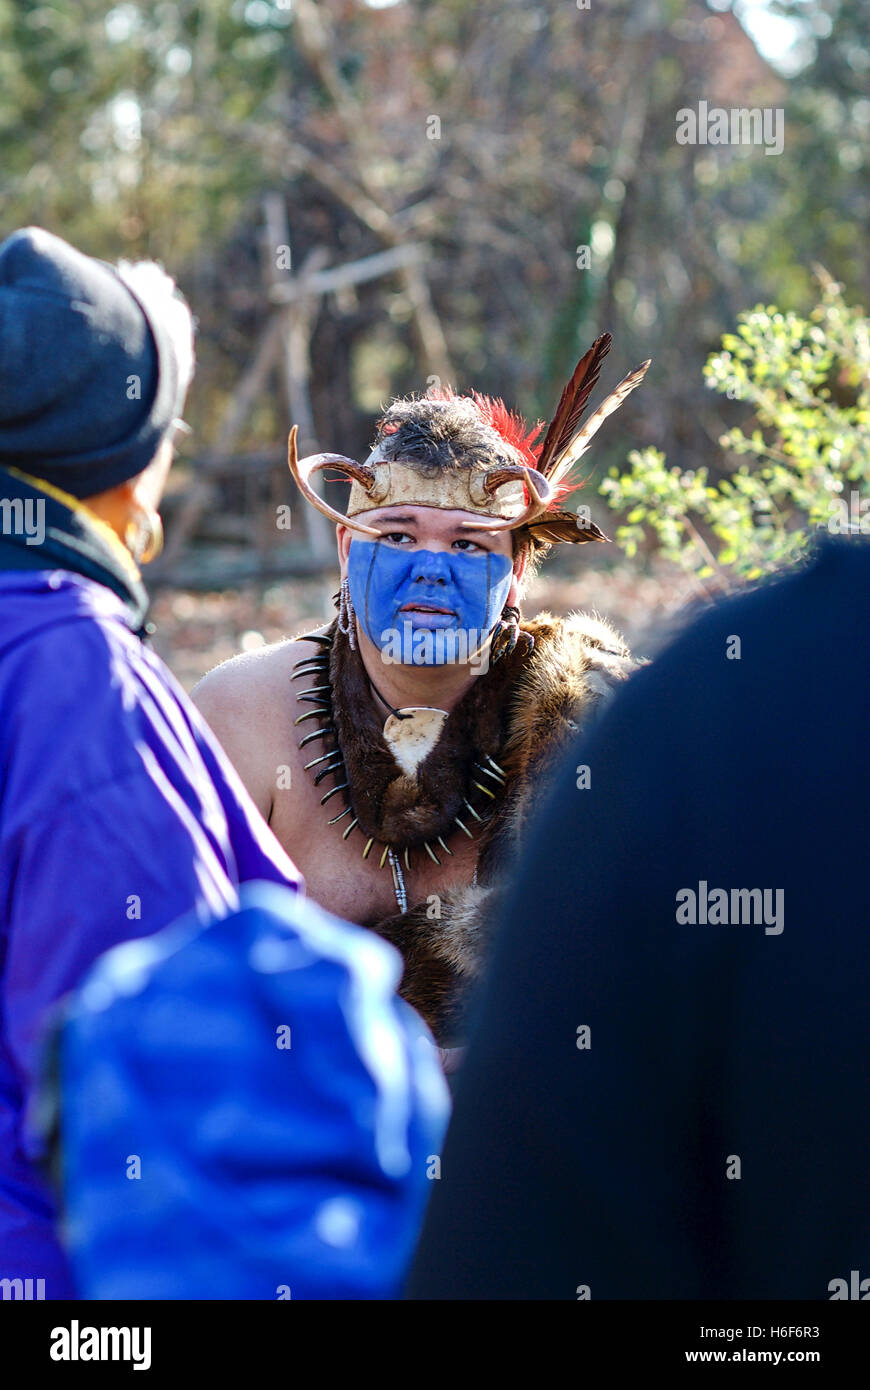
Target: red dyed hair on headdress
[
  {"x": 508, "y": 423},
  {"x": 513, "y": 429}
]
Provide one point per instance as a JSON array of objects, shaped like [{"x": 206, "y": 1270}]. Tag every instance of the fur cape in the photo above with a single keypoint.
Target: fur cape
[{"x": 555, "y": 690}]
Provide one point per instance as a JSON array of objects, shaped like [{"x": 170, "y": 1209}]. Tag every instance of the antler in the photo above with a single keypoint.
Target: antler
[
  {"x": 541, "y": 495},
  {"x": 302, "y": 470}
]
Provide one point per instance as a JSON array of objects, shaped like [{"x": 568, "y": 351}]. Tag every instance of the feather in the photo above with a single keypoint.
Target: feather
[
  {"x": 576, "y": 447},
  {"x": 572, "y": 403},
  {"x": 565, "y": 526}
]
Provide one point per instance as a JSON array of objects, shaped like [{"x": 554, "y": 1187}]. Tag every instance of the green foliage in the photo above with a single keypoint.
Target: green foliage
[{"x": 806, "y": 452}]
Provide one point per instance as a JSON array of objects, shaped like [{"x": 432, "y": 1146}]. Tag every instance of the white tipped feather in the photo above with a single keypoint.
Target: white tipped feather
[{"x": 580, "y": 443}]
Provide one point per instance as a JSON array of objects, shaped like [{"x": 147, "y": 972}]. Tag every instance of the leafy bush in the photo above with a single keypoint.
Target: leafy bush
[{"x": 808, "y": 380}]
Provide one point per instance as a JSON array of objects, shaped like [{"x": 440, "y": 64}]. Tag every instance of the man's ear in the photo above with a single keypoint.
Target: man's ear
[
  {"x": 147, "y": 488},
  {"x": 517, "y": 578},
  {"x": 128, "y": 491},
  {"x": 343, "y": 538}
]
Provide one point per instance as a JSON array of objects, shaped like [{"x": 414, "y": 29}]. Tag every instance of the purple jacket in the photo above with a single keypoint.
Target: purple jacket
[{"x": 118, "y": 814}]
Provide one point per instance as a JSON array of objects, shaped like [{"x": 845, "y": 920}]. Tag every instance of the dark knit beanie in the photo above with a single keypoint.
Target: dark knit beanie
[{"x": 90, "y": 377}]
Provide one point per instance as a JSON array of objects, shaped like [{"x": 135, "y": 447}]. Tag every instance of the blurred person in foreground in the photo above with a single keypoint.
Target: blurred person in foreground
[
  {"x": 665, "y": 1095},
  {"x": 249, "y": 1111},
  {"x": 118, "y": 810}
]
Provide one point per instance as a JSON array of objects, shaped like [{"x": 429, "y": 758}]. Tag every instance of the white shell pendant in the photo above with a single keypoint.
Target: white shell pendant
[{"x": 411, "y": 738}]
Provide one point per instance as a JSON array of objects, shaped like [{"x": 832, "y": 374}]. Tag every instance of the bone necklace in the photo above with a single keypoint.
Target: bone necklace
[{"x": 410, "y": 733}]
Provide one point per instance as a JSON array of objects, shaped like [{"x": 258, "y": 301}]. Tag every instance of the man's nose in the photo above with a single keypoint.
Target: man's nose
[{"x": 431, "y": 567}]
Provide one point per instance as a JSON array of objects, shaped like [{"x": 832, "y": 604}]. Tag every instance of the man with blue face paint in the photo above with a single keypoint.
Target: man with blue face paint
[
  {"x": 411, "y": 733},
  {"x": 467, "y": 593}
]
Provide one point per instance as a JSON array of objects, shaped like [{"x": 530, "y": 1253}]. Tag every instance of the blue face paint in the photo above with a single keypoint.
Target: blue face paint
[{"x": 386, "y": 580}]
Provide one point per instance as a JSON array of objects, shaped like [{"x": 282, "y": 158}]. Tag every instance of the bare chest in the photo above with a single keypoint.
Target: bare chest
[{"x": 337, "y": 875}]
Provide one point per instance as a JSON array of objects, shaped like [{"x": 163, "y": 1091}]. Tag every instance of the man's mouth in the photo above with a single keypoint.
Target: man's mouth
[{"x": 426, "y": 608}]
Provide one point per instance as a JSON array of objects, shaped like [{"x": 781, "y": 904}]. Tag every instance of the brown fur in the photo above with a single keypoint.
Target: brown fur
[
  {"x": 406, "y": 810},
  {"x": 553, "y": 693}
]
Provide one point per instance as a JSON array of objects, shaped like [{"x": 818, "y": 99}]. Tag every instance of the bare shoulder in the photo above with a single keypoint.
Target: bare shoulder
[
  {"x": 246, "y": 701},
  {"x": 252, "y": 676},
  {"x": 246, "y": 678}
]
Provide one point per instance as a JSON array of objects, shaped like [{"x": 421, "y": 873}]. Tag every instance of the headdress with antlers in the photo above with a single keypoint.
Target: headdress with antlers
[{"x": 471, "y": 453}]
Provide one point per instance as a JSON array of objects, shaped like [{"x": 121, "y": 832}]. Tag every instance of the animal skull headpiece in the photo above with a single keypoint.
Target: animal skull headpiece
[{"x": 472, "y": 454}]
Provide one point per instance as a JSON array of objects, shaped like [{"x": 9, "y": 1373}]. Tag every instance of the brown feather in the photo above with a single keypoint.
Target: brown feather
[
  {"x": 564, "y": 526},
  {"x": 572, "y": 403},
  {"x": 575, "y": 448}
]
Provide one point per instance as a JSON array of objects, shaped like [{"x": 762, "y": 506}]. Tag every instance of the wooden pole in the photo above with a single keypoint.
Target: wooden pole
[{"x": 297, "y": 324}]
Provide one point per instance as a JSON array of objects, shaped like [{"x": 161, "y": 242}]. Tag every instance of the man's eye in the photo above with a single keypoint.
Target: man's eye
[
  {"x": 397, "y": 537},
  {"x": 464, "y": 544}
]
